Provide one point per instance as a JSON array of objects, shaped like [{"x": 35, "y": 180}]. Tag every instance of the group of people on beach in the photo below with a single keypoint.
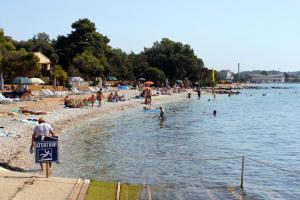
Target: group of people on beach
[{"x": 99, "y": 96}]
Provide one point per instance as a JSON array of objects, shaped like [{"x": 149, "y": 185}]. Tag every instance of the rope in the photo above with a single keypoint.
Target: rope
[
  {"x": 170, "y": 158},
  {"x": 273, "y": 166},
  {"x": 194, "y": 159}
]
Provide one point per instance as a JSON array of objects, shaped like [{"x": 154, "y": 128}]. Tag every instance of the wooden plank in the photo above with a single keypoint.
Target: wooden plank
[
  {"x": 149, "y": 193},
  {"x": 118, "y": 191},
  {"x": 84, "y": 189},
  {"x": 76, "y": 190}
]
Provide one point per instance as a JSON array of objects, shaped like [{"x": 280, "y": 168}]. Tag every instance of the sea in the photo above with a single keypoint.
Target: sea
[{"x": 193, "y": 154}]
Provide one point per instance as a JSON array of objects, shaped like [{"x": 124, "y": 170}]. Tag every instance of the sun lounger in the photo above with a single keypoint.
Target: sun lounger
[
  {"x": 50, "y": 92},
  {"x": 46, "y": 93},
  {"x": 4, "y": 99},
  {"x": 75, "y": 91},
  {"x": 92, "y": 89},
  {"x": 9, "y": 134}
]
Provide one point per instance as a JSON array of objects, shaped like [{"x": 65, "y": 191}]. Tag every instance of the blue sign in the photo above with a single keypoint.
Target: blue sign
[{"x": 46, "y": 150}]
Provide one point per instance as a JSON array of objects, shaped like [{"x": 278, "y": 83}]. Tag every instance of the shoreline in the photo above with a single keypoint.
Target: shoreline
[{"x": 16, "y": 156}]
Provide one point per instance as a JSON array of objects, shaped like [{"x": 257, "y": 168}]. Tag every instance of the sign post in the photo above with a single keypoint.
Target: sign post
[{"x": 46, "y": 151}]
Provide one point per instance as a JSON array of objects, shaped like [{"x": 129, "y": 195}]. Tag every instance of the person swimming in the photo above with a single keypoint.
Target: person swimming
[{"x": 214, "y": 112}]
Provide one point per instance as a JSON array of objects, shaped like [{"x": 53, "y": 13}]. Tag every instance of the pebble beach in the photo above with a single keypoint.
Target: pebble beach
[{"x": 15, "y": 151}]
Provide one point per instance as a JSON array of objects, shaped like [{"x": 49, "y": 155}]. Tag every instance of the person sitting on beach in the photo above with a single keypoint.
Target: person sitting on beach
[
  {"x": 116, "y": 96},
  {"x": 67, "y": 102},
  {"x": 41, "y": 131},
  {"x": 26, "y": 95},
  {"x": 110, "y": 97},
  {"x": 26, "y": 111},
  {"x": 92, "y": 99}
]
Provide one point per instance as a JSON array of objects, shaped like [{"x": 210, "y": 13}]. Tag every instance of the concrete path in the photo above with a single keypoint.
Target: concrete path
[{"x": 23, "y": 186}]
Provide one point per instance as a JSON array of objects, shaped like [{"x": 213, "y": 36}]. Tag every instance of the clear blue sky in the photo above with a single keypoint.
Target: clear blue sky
[{"x": 260, "y": 34}]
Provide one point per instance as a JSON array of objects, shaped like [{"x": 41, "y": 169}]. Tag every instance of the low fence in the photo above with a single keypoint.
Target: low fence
[{"x": 242, "y": 161}]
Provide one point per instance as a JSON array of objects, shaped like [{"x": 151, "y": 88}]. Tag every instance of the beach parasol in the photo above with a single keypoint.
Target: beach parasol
[
  {"x": 147, "y": 88},
  {"x": 141, "y": 79},
  {"x": 123, "y": 87},
  {"x": 111, "y": 78},
  {"x": 148, "y": 83},
  {"x": 76, "y": 79},
  {"x": 36, "y": 81},
  {"x": 21, "y": 81}
]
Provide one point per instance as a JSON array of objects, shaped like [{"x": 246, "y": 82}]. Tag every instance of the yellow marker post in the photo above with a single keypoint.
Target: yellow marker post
[
  {"x": 213, "y": 75},
  {"x": 213, "y": 80}
]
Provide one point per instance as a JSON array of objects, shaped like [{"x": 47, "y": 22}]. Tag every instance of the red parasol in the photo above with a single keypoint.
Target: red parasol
[{"x": 148, "y": 83}]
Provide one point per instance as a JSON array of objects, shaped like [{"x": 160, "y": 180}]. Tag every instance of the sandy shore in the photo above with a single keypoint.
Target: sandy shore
[{"x": 15, "y": 151}]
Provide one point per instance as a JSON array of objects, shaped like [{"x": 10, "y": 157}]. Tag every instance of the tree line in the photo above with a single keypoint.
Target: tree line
[{"x": 85, "y": 52}]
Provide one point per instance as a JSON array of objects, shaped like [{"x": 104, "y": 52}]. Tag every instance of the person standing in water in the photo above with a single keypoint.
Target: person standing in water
[
  {"x": 199, "y": 92},
  {"x": 100, "y": 97},
  {"x": 162, "y": 113}
]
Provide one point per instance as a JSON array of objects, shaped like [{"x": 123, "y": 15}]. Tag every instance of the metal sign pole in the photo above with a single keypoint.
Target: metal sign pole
[
  {"x": 242, "y": 172},
  {"x": 47, "y": 170}
]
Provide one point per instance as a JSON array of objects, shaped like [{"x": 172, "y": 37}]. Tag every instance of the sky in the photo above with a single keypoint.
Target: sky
[{"x": 259, "y": 34}]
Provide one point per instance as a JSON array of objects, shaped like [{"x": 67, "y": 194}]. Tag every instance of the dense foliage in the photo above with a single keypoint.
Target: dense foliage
[
  {"x": 15, "y": 62},
  {"x": 85, "y": 52}
]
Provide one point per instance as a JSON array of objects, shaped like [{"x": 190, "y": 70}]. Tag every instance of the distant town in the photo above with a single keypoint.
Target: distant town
[{"x": 258, "y": 76}]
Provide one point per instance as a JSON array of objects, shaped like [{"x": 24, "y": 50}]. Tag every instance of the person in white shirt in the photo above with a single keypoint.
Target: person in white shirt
[{"x": 41, "y": 130}]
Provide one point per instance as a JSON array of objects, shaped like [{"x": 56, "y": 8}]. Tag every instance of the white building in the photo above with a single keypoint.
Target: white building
[
  {"x": 226, "y": 75},
  {"x": 45, "y": 64},
  {"x": 261, "y": 78}
]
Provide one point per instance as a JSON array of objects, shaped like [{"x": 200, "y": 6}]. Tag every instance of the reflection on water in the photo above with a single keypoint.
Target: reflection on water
[{"x": 140, "y": 148}]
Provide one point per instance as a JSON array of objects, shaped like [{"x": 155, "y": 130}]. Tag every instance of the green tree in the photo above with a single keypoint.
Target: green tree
[
  {"x": 39, "y": 43},
  {"x": 137, "y": 63},
  {"x": 6, "y": 46},
  {"x": 21, "y": 63},
  {"x": 88, "y": 65},
  {"x": 83, "y": 38},
  {"x": 119, "y": 65},
  {"x": 154, "y": 74},
  {"x": 61, "y": 75},
  {"x": 177, "y": 60}
]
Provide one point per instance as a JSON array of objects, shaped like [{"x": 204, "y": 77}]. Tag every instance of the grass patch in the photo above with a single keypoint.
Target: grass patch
[{"x": 99, "y": 190}]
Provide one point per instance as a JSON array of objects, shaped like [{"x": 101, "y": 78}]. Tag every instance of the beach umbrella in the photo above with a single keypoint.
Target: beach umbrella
[
  {"x": 148, "y": 83},
  {"x": 21, "y": 81},
  {"x": 141, "y": 79},
  {"x": 123, "y": 87},
  {"x": 36, "y": 81},
  {"x": 1, "y": 82},
  {"x": 111, "y": 78},
  {"x": 76, "y": 79},
  {"x": 147, "y": 88}
]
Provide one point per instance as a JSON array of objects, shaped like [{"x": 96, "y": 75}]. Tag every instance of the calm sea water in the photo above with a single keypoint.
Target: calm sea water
[{"x": 136, "y": 147}]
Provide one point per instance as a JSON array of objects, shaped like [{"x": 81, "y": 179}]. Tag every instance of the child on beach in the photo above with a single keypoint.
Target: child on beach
[{"x": 92, "y": 99}]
